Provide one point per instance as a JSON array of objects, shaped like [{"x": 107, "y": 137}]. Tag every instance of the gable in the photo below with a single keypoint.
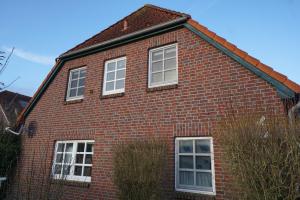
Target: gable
[{"x": 172, "y": 20}]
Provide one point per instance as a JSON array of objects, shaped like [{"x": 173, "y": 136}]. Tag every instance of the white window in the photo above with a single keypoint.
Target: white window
[
  {"x": 76, "y": 84},
  {"x": 73, "y": 160},
  {"x": 163, "y": 66},
  {"x": 194, "y": 163},
  {"x": 114, "y": 76}
]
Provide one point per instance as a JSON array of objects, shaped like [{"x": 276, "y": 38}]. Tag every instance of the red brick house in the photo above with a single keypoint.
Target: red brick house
[{"x": 154, "y": 74}]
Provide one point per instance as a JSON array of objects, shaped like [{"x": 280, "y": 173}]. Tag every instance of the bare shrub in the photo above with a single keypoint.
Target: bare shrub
[
  {"x": 262, "y": 154},
  {"x": 138, "y": 169},
  {"x": 35, "y": 181}
]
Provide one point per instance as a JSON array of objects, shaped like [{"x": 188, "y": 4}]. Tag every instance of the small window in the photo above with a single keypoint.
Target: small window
[
  {"x": 76, "y": 84},
  {"x": 73, "y": 160},
  {"x": 114, "y": 76},
  {"x": 163, "y": 69},
  {"x": 195, "y": 165}
]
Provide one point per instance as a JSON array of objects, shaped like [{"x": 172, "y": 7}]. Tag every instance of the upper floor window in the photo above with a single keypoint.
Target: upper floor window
[
  {"x": 73, "y": 160},
  {"x": 195, "y": 165},
  {"x": 163, "y": 66},
  {"x": 114, "y": 76},
  {"x": 76, "y": 84}
]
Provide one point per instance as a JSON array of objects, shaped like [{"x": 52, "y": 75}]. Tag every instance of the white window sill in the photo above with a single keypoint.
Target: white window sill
[
  {"x": 196, "y": 191},
  {"x": 74, "y": 98},
  {"x": 73, "y": 178},
  {"x": 113, "y": 92},
  {"x": 162, "y": 84}
]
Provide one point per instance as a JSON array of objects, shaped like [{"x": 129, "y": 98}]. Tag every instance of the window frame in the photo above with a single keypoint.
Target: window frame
[
  {"x": 115, "y": 91},
  {"x": 164, "y": 83},
  {"x": 194, "y": 189},
  {"x": 68, "y": 98},
  {"x": 74, "y": 152}
]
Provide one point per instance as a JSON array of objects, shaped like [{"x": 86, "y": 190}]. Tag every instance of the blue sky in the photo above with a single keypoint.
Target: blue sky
[{"x": 41, "y": 30}]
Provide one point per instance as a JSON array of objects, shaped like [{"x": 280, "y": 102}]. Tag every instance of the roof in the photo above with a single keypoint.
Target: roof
[
  {"x": 147, "y": 16},
  {"x": 245, "y": 56},
  {"x": 150, "y": 20},
  {"x": 13, "y": 104}
]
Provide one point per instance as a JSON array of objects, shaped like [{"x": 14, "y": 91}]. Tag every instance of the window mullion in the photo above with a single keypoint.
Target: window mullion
[
  {"x": 163, "y": 70},
  {"x": 74, "y": 158},
  {"x": 115, "y": 80}
]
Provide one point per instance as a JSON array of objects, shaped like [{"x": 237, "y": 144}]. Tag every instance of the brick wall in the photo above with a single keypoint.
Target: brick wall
[{"x": 209, "y": 84}]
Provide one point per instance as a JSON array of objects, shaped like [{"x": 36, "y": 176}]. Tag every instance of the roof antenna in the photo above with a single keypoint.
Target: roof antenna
[{"x": 125, "y": 25}]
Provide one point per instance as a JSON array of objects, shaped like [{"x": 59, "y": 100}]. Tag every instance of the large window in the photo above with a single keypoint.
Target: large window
[
  {"x": 114, "y": 76},
  {"x": 195, "y": 165},
  {"x": 73, "y": 160},
  {"x": 163, "y": 69},
  {"x": 76, "y": 84}
]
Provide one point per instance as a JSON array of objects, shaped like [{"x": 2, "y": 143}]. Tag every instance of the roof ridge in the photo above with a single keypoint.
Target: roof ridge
[
  {"x": 179, "y": 14},
  {"x": 167, "y": 10},
  {"x": 245, "y": 56}
]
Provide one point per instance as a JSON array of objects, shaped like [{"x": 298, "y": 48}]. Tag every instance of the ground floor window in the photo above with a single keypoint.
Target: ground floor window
[
  {"x": 73, "y": 160},
  {"x": 194, "y": 161}
]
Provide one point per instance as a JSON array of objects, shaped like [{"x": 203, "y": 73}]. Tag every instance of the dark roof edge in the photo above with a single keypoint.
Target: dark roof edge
[{"x": 131, "y": 35}]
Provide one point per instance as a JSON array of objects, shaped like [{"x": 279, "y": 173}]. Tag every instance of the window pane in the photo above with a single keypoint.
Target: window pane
[
  {"x": 80, "y": 91},
  {"x": 170, "y": 64},
  {"x": 74, "y": 83},
  {"x": 111, "y": 66},
  {"x": 69, "y": 147},
  {"x": 80, "y": 147},
  {"x": 157, "y": 66},
  {"x": 68, "y": 158},
  {"x": 89, "y": 148},
  {"x": 88, "y": 159},
  {"x": 66, "y": 169},
  {"x": 81, "y": 82},
  {"x": 110, "y": 76},
  {"x": 203, "y": 162},
  {"x": 110, "y": 86},
  {"x": 121, "y": 64},
  {"x": 59, "y": 158},
  {"x": 57, "y": 169},
  {"x": 82, "y": 73},
  {"x": 61, "y": 147},
  {"x": 74, "y": 75},
  {"x": 73, "y": 92},
  {"x": 186, "y": 178},
  {"x": 186, "y": 162},
  {"x": 78, "y": 170},
  {"x": 202, "y": 146},
  {"x": 121, "y": 74},
  {"x": 170, "y": 75},
  {"x": 87, "y": 171},
  {"x": 170, "y": 52},
  {"x": 79, "y": 158},
  {"x": 120, "y": 84},
  {"x": 186, "y": 146},
  {"x": 156, "y": 77},
  {"x": 157, "y": 55},
  {"x": 204, "y": 179}
]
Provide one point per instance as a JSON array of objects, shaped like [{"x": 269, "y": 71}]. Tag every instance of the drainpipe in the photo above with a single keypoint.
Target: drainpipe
[{"x": 7, "y": 129}]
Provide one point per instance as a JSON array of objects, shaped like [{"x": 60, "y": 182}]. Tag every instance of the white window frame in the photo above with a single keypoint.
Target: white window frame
[
  {"x": 164, "y": 83},
  {"x": 72, "y": 177},
  {"x": 68, "y": 98},
  {"x": 115, "y": 91},
  {"x": 194, "y": 189}
]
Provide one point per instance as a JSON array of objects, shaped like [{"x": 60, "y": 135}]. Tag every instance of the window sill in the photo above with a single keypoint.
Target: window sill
[
  {"x": 67, "y": 102},
  {"x": 71, "y": 183},
  {"x": 184, "y": 195},
  {"x": 165, "y": 87},
  {"x": 112, "y": 95}
]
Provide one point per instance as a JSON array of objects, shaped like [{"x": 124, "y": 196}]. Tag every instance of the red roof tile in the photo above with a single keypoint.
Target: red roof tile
[
  {"x": 266, "y": 69},
  {"x": 147, "y": 16}
]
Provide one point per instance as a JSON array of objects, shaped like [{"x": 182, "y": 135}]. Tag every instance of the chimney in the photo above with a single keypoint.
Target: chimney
[{"x": 125, "y": 25}]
